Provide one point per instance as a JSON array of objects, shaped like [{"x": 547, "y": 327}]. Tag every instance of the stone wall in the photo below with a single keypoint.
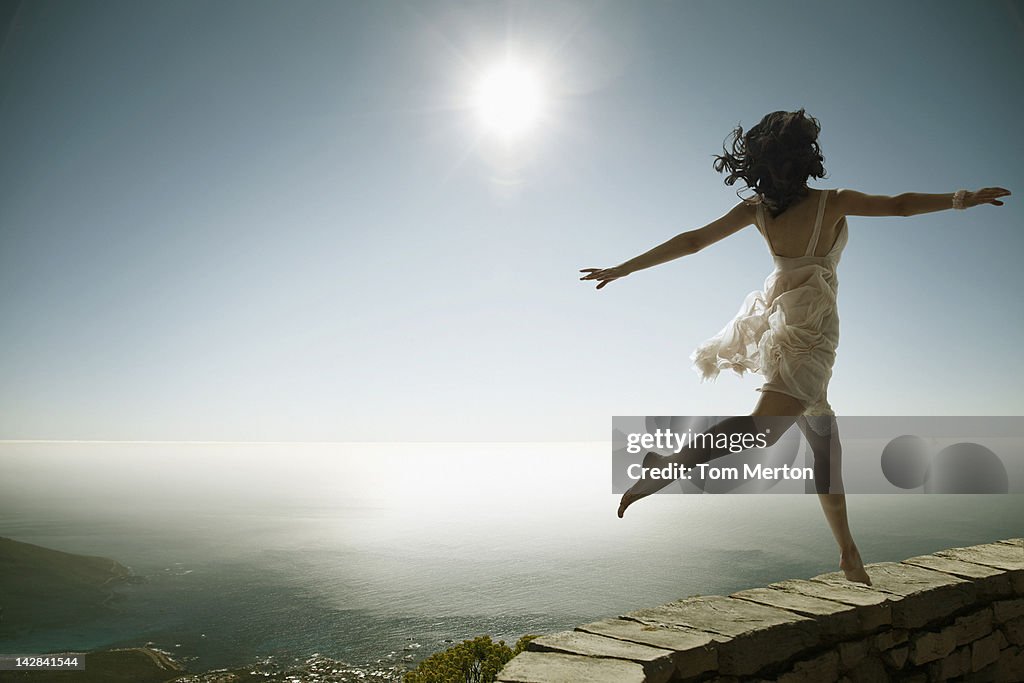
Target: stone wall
[{"x": 955, "y": 615}]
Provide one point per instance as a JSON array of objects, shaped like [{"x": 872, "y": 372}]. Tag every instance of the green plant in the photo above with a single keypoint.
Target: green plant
[{"x": 472, "y": 661}]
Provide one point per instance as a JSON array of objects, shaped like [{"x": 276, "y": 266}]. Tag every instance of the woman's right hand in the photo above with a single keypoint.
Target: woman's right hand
[
  {"x": 986, "y": 195},
  {"x": 605, "y": 275}
]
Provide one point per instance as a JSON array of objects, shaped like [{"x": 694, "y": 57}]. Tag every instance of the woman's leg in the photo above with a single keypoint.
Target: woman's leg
[
  {"x": 774, "y": 414},
  {"x": 828, "y": 476}
]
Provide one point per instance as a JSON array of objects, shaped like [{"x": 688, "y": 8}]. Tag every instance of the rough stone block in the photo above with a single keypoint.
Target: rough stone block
[
  {"x": 990, "y": 582},
  {"x": 1004, "y": 610},
  {"x": 929, "y": 646},
  {"x": 1001, "y": 639},
  {"x": 970, "y": 627},
  {"x": 984, "y": 652},
  {"x": 891, "y": 638},
  {"x": 896, "y": 658},
  {"x": 692, "y": 651},
  {"x": 1014, "y": 630},
  {"x": 554, "y": 667},
  {"x": 986, "y": 675},
  {"x": 1010, "y": 667},
  {"x": 922, "y": 596},
  {"x": 957, "y": 663},
  {"x": 870, "y": 670},
  {"x": 759, "y": 635},
  {"x": 852, "y": 652},
  {"x": 874, "y": 609},
  {"x": 656, "y": 662},
  {"x": 824, "y": 667}
]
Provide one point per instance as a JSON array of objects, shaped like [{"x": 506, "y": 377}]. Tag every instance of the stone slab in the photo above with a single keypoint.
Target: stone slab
[
  {"x": 846, "y": 592},
  {"x": 838, "y": 620},
  {"x": 1000, "y": 555},
  {"x": 716, "y": 614},
  {"x": 555, "y": 667},
  {"x": 948, "y": 565},
  {"x": 990, "y": 582},
  {"x": 874, "y": 608},
  {"x": 657, "y": 662},
  {"x": 693, "y": 651},
  {"x": 1011, "y": 562},
  {"x": 759, "y": 635},
  {"x": 921, "y": 596}
]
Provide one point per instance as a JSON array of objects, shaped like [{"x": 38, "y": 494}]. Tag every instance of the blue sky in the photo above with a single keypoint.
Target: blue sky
[{"x": 279, "y": 221}]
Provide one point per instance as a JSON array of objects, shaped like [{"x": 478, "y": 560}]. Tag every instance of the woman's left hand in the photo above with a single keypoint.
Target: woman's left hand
[{"x": 605, "y": 275}]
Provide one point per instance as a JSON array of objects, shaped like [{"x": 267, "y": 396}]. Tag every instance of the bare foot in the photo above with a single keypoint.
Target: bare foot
[
  {"x": 645, "y": 486},
  {"x": 853, "y": 566}
]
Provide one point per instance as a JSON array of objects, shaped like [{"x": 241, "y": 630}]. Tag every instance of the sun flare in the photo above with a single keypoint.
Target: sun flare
[{"x": 509, "y": 99}]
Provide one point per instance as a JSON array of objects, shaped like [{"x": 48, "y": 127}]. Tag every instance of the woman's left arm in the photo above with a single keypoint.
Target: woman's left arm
[{"x": 683, "y": 244}]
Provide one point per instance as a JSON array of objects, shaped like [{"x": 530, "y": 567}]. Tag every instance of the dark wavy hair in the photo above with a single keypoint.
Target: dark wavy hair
[{"x": 775, "y": 158}]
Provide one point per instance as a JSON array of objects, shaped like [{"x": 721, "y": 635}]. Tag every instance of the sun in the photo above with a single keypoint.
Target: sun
[{"x": 509, "y": 99}]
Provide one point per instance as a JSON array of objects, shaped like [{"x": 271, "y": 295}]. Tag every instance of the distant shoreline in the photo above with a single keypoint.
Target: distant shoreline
[{"x": 43, "y": 587}]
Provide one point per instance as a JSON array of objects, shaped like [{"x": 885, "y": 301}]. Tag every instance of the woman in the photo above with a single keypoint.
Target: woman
[{"x": 789, "y": 331}]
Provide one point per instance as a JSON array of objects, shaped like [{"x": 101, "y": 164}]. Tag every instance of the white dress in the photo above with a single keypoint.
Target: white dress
[{"x": 789, "y": 331}]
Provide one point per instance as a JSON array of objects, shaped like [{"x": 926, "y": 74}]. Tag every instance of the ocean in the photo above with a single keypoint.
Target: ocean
[{"x": 381, "y": 554}]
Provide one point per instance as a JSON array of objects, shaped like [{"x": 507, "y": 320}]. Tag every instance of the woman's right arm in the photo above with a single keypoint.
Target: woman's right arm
[{"x": 853, "y": 203}]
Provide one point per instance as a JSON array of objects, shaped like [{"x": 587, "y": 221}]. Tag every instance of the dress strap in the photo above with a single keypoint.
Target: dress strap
[
  {"x": 812, "y": 244},
  {"x": 759, "y": 222}
]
